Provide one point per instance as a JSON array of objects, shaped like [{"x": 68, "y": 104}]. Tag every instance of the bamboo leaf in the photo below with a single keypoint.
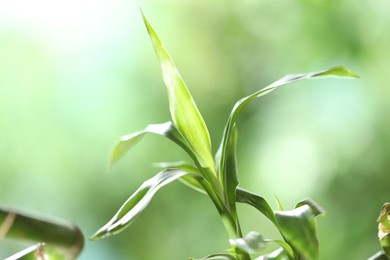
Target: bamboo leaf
[
  {"x": 278, "y": 254},
  {"x": 34, "y": 252},
  {"x": 378, "y": 256},
  {"x": 128, "y": 141},
  {"x": 137, "y": 203},
  {"x": 255, "y": 201},
  {"x": 230, "y": 176},
  {"x": 298, "y": 229},
  {"x": 335, "y": 71},
  {"x": 315, "y": 207},
  {"x": 184, "y": 112},
  {"x": 250, "y": 243},
  {"x": 192, "y": 180},
  {"x": 221, "y": 256}
]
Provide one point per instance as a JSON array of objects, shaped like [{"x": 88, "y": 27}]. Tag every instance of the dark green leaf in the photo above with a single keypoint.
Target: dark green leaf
[
  {"x": 335, "y": 71},
  {"x": 184, "y": 112},
  {"x": 315, "y": 207},
  {"x": 298, "y": 229},
  {"x": 126, "y": 142},
  {"x": 137, "y": 203},
  {"x": 230, "y": 177},
  {"x": 256, "y": 201}
]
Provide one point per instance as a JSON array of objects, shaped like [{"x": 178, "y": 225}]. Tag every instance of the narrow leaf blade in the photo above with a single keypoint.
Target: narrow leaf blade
[
  {"x": 137, "y": 202},
  {"x": 126, "y": 142},
  {"x": 335, "y": 71},
  {"x": 184, "y": 112}
]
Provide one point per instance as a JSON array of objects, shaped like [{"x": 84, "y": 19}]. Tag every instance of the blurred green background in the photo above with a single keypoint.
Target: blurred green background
[{"x": 76, "y": 75}]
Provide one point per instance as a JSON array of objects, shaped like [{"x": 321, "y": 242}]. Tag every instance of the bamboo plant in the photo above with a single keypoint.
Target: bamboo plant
[
  {"x": 52, "y": 239},
  {"x": 216, "y": 176}
]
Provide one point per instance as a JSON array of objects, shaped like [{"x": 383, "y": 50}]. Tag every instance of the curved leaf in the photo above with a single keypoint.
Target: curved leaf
[
  {"x": 256, "y": 201},
  {"x": 128, "y": 141},
  {"x": 278, "y": 254},
  {"x": 184, "y": 112},
  {"x": 251, "y": 243},
  {"x": 335, "y": 71},
  {"x": 298, "y": 229},
  {"x": 216, "y": 257},
  {"x": 137, "y": 203},
  {"x": 315, "y": 207}
]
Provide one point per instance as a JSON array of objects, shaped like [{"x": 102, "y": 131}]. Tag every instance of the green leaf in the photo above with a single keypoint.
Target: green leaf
[
  {"x": 230, "y": 176},
  {"x": 278, "y": 203},
  {"x": 251, "y": 243},
  {"x": 192, "y": 180},
  {"x": 278, "y": 254},
  {"x": 34, "y": 252},
  {"x": 216, "y": 257},
  {"x": 335, "y": 71},
  {"x": 128, "y": 141},
  {"x": 298, "y": 229},
  {"x": 256, "y": 201},
  {"x": 315, "y": 207},
  {"x": 184, "y": 112},
  {"x": 384, "y": 229},
  {"x": 137, "y": 203},
  {"x": 379, "y": 256}
]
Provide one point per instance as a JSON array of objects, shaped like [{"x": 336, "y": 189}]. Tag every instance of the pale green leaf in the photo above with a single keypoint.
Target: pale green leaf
[
  {"x": 250, "y": 243},
  {"x": 315, "y": 207},
  {"x": 255, "y": 201},
  {"x": 221, "y": 256},
  {"x": 298, "y": 229},
  {"x": 184, "y": 112},
  {"x": 278, "y": 254},
  {"x": 278, "y": 203},
  {"x": 378, "y": 256},
  {"x": 34, "y": 252},
  {"x": 335, "y": 71},
  {"x": 137, "y": 202},
  {"x": 128, "y": 141}
]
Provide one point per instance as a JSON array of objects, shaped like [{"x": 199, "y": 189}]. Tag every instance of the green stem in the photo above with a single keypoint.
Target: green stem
[{"x": 63, "y": 236}]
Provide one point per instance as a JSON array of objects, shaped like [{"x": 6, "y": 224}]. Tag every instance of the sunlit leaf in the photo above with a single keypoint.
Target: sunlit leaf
[
  {"x": 137, "y": 202},
  {"x": 298, "y": 229},
  {"x": 221, "y": 256},
  {"x": 315, "y": 207},
  {"x": 34, "y": 252},
  {"x": 335, "y": 71},
  {"x": 128, "y": 141},
  {"x": 278, "y": 254},
  {"x": 278, "y": 203},
  {"x": 184, "y": 112},
  {"x": 378, "y": 256},
  {"x": 256, "y": 201},
  {"x": 192, "y": 180},
  {"x": 250, "y": 243}
]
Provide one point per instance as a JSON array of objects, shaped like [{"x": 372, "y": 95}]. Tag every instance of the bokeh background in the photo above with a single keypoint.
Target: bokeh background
[{"x": 76, "y": 75}]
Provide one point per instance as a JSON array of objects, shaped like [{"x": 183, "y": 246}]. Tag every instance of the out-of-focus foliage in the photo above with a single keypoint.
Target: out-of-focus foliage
[{"x": 76, "y": 75}]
